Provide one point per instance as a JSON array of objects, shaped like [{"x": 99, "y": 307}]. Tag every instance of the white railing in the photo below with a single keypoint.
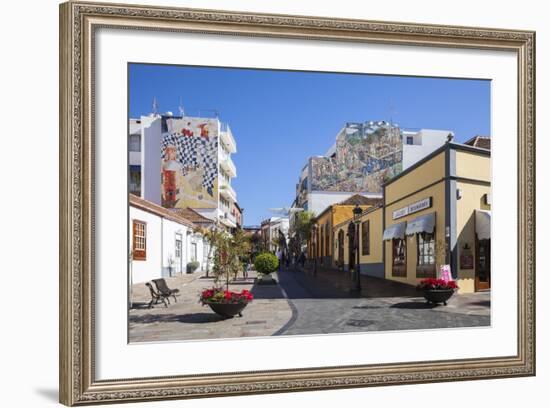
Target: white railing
[
  {"x": 227, "y": 137},
  {"x": 227, "y": 163},
  {"x": 227, "y": 190}
]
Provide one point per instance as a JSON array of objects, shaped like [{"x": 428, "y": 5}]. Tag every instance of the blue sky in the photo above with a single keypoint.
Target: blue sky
[{"x": 280, "y": 118}]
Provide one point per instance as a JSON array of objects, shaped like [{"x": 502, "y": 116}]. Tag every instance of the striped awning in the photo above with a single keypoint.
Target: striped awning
[
  {"x": 424, "y": 223},
  {"x": 395, "y": 231}
]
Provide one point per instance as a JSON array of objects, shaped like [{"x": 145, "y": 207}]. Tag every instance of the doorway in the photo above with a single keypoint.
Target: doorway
[
  {"x": 483, "y": 265},
  {"x": 178, "y": 253},
  {"x": 351, "y": 246}
]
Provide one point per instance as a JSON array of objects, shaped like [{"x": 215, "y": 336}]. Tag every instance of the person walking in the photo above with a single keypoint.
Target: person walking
[{"x": 279, "y": 254}]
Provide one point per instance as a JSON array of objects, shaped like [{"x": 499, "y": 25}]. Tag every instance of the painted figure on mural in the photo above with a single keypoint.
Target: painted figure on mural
[{"x": 170, "y": 169}]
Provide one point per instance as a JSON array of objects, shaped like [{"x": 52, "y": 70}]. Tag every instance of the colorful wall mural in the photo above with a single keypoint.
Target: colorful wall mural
[
  {"x": 365, "y": 156},
  {"x": 189, "y": 171}
]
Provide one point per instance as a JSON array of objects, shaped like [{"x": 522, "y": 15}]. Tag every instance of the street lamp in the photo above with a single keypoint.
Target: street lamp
[
  {"x": 356, "y": 276},
  {"x": 314, "y": 241}
]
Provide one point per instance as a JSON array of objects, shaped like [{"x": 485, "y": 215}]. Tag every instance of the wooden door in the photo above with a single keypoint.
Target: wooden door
[{"x": 483, "y": 265}]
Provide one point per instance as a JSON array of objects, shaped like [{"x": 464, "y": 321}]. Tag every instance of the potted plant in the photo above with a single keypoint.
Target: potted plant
[
  {"x": 225, "y": 302},
  {"x": 437, "y": 290},
  {"x": 265, "y": 264},
  {"x": 228, "y": 249},
  {"x": 192, "y": 266}
]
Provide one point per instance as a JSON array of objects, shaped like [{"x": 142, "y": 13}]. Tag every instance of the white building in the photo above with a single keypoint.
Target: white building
[
  {"x": 162, "y": 242},
  {"x": 272, "y": 228},
  {"x": 419, "y": 144},
  {"x": 201, "y": 162}
]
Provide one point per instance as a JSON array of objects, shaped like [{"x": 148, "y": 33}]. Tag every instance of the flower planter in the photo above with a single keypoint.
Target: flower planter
[
  {"x": 227, "y": 310},
  {"x": 436, "y": 296}
]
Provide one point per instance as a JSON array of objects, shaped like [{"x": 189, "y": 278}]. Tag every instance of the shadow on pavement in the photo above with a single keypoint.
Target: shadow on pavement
[
  {"x": 176, "y": 318},
  {"x": 484, "y": 303},
  {"x": 143, "y": 305},
  {"x": 267, "y": 291},
  {"x": 331, "y": 284},
  {"x": 413, "y": 305}
]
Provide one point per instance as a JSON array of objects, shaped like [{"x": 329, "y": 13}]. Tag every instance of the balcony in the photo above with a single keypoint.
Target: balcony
[
  {"x": 227, "y": 138},
  {"x": 228, "y": 219},
  {"x": 227, "y": 191},
  {"x": 227, "y": 164}
]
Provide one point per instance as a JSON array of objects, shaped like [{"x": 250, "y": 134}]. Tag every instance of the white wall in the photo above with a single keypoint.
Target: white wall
[
  {"x": 151, "y": 140},
  {"x": 34, "y": 24},
  {"x": 151, "y": 267},
  {"x": 425, "y": 142},
  {"x": 169, "y": 231}
]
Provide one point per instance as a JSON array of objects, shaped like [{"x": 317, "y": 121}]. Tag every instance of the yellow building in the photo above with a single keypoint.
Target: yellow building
[
  {"x": 321, "y": 246},
  {"x": 365, "y": 236},
  {"x": 437, "y": 212}
]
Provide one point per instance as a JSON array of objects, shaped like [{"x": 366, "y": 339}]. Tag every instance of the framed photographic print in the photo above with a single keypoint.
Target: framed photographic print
[{"x": 256, "y": 203}]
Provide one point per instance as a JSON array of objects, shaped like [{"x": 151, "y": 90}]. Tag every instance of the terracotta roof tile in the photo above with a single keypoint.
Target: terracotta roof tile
[
  {"x": 483, "y": 142},
  {"x": 156, "y": 209},
  {"x": 358, "y": 199},
  {"x": 192, "y": 215}
]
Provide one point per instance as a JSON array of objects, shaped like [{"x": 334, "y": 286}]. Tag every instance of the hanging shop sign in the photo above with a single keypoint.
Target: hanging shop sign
[{"x": 412, "y": 208}]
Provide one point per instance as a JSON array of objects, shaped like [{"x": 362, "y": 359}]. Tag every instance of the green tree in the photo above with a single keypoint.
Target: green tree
[
  {"x": 303, "y": 220},
  {"x": 228, "y": 253}
]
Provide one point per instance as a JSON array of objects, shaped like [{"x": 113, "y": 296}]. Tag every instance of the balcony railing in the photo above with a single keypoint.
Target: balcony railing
[
  {"x": 227, "y": 137},
  {"x": 227, "y": 164},
  {"x": 227, "y": 191}
]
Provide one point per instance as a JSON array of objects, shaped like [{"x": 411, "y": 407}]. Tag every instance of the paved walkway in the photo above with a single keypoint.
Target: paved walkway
[
  {"x": 321, "y": 305},
  {"x": 187, "y": 319},
  {"x": 301, "y": 304}
]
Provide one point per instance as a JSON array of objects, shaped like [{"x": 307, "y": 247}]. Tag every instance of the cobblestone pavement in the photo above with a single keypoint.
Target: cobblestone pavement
[
  {"x": 187, "y": 319},
  {"x": 320, "y": 304},
  {"x": 301, "y": 304}
]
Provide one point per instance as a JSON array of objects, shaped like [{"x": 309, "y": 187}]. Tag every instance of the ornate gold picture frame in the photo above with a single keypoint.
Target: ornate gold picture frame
[{"x": 78, "y": 24}]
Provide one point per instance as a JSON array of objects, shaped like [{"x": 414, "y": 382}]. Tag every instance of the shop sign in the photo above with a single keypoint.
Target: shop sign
[
  {"x": 466, "y": 257},
  {"x": 445, "y": 273},
  {"x": 412, "y": 208}
]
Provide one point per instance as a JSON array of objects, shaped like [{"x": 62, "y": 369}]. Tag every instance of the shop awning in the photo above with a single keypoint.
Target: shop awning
[
  {"x": 395, "y": 231},
  {"x": 424, "y": 223},
  {"x": 483, "y": 224}
]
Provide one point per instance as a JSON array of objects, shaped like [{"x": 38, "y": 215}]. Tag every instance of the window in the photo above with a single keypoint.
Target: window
[
  {"x": 410, "y": 140},
  {"x": 134, "y": 144},
  {"x": 140, "y": 240},
  {"x": 135, "y": 180},
  {"x": 194, "y": 255},
  {"x": 365, "y": 238},
  {"x": 425, "y": 255},
  {"x": 399, "y": 257}
]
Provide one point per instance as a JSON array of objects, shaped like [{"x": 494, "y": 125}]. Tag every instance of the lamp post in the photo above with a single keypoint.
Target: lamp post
[
  {"x": 314, "y": 240},
  {"x": 356, "y": 276}
]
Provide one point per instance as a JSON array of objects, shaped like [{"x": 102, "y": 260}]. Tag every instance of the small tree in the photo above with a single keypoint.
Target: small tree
[
  {"x": 266, "y": 263},
  {"x": 302, "y": 231},
  {"x": 228, "y": 252}
]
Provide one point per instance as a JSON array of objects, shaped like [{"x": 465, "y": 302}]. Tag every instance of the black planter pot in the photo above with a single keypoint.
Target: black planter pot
[
  {"x": 436, "y": 296},
  {"x": 227, "y": 310}
]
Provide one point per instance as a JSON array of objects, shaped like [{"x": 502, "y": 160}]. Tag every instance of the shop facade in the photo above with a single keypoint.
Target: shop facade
[{"x": 437, "y": 212}]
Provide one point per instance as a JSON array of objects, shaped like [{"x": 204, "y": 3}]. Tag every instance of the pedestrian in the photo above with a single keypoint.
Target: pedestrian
[{"x": 280, "y": 258}]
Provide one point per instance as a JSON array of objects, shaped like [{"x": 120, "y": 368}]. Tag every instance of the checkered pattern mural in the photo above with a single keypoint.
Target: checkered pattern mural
[
  {"x": 194, "y": 152},
  {"x": 195, "y": 142}
]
